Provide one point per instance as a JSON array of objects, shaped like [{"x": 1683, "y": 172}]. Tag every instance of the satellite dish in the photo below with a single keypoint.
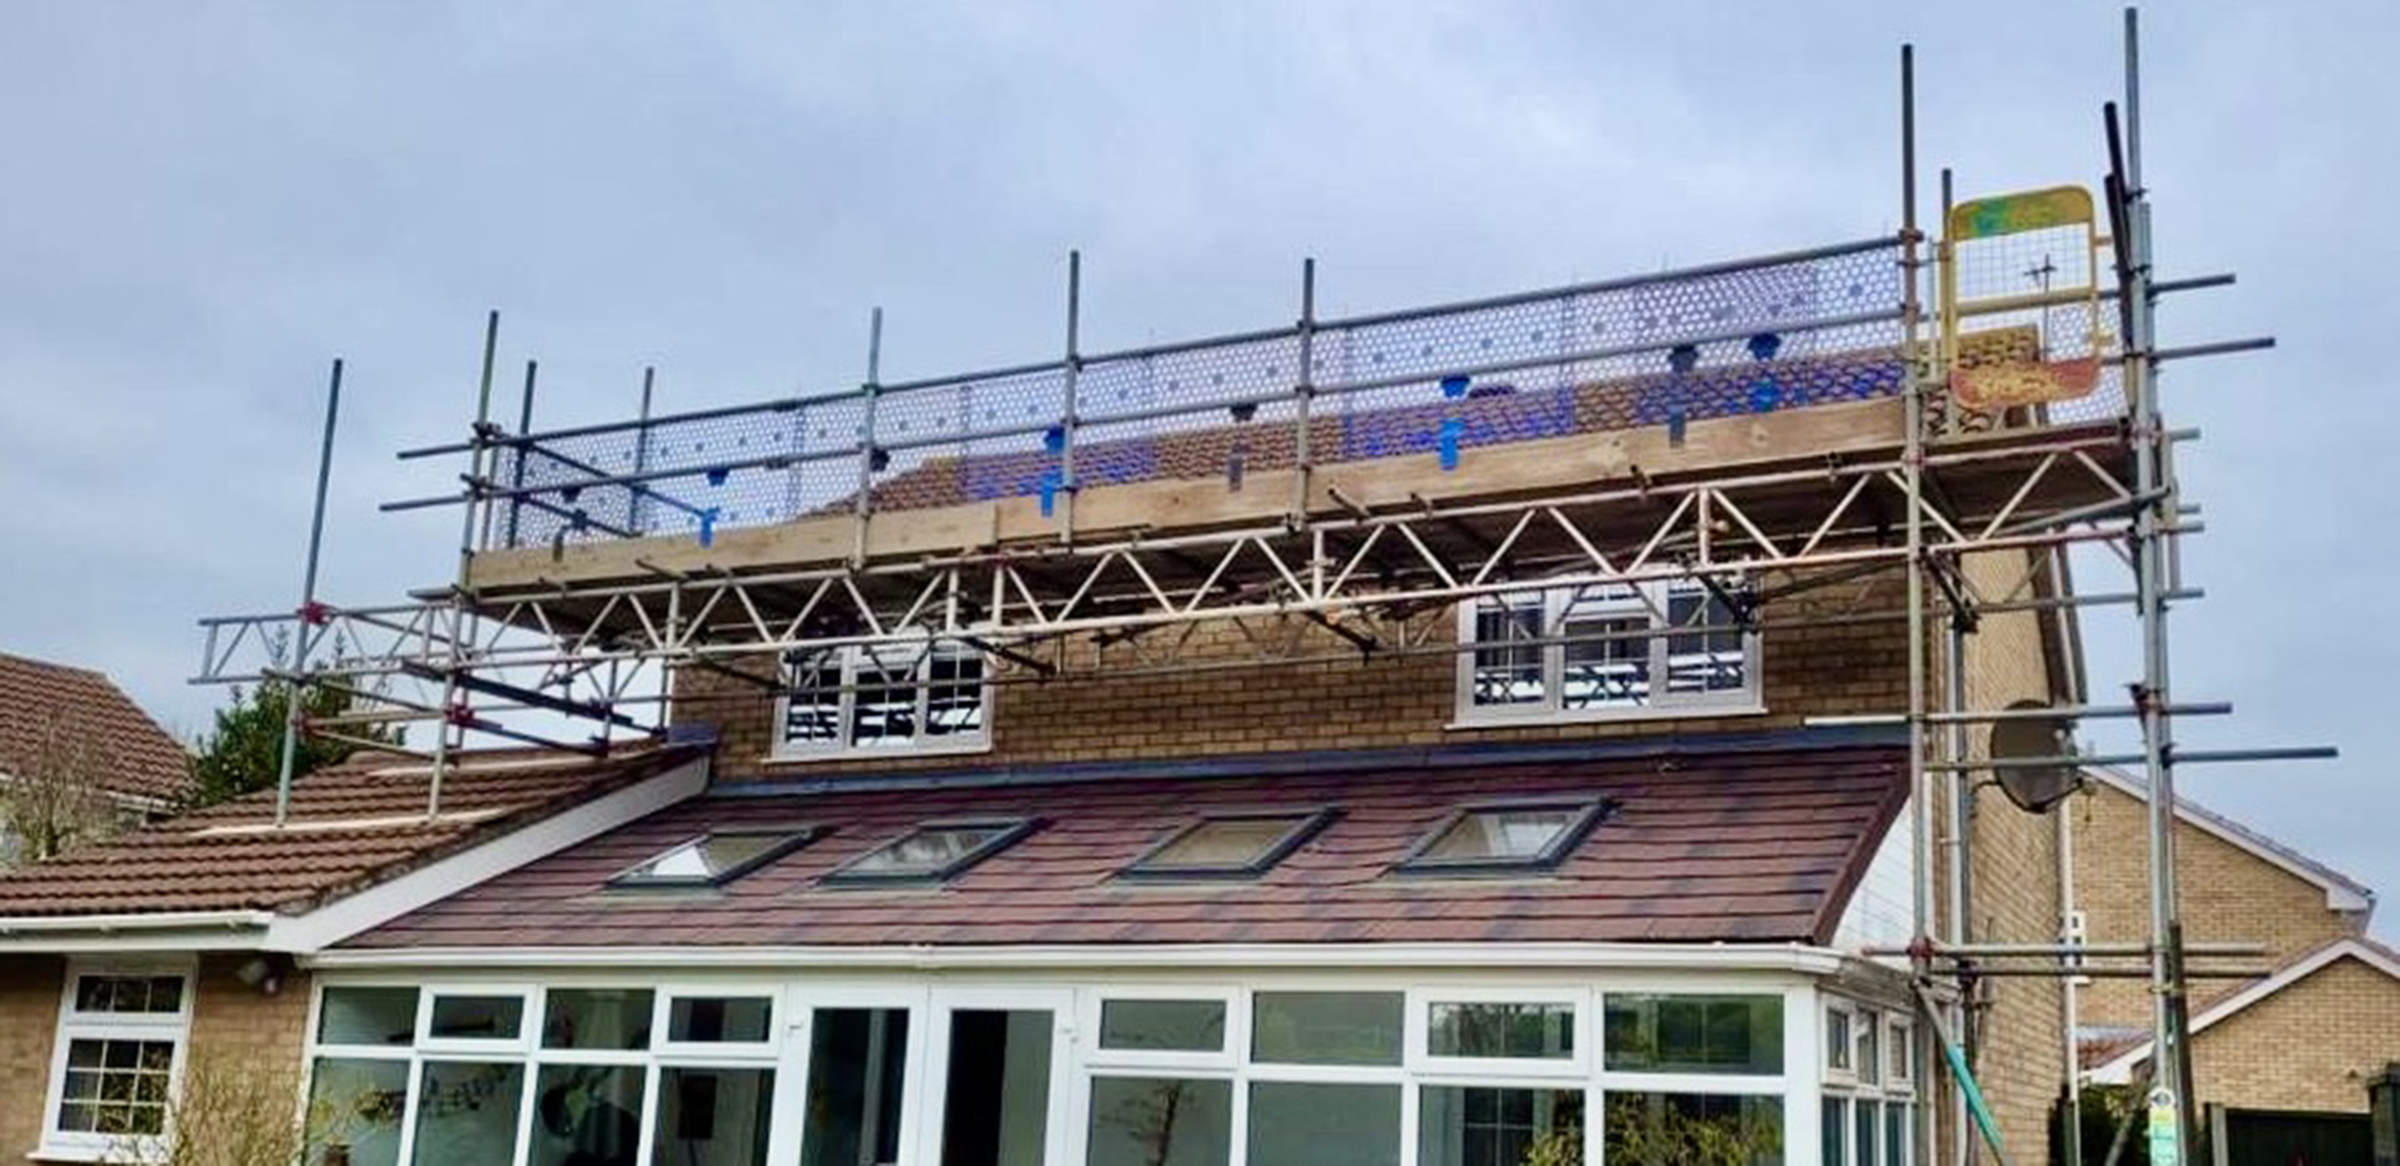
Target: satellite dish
[{"x": 2035, "y": 788}]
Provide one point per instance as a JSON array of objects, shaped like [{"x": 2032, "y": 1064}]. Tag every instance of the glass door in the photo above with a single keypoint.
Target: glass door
[
  {"x": 997, "y": 1072},
  {"x": 863, "y": 1082}
]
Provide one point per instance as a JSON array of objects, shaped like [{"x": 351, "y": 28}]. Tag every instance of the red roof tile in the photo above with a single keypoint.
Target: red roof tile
[
  {"x": 351, "y": 826},
  {"x": 1706, "y": 847},
  {"x": 136, "y": 756}
]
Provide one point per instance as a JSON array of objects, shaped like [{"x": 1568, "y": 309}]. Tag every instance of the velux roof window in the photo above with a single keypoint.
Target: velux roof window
[
  {"x": 1504, "y": 837},
  {"x": 1240, "y": 844},
  {"x": 717, "y": 857},
  {"x": 933, "y": 852}
]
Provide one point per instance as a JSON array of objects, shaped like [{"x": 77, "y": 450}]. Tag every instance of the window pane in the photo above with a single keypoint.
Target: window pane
[
  {"x": 1694, "y": 1034},
  {"x": 1868, "y": 1060},
  {"x": 1899, "y": 1134},
  {"x": 116, "y": 1086},
  {"x": 1191, "y": 1026},
  {"x": 883, "y": 712},
  {"x": 1610, "y": 672},
  {"x": 467, "y": 1113},
  {"x": 1511, "y": 835},
  {"x": 710, "y": 860},
  {"x": 596, "y": 1018},
  {"x": 1670, "y": 1129},
  {"x": 587, "y": 1115},
  {"x": 1897, "y": 1053},
  {"x": 1837, "y": 1039},
  {"x": 858, "y": 1065},
  {"x": 1868, "y": 1124},
  {"x": 1703, "y": 661},
  {"x": 1160, "y": 1121},
  {"x": 996, "y": 1103},
  {"x": 931, "y": 852},
  {"x": 1539, "y": 1031},
  {"x": 1833, "y": 1132},
  {"x": 813, "y": 713},
  {"x": 1459, "y": 1126},
  {"x": 1225, "y": 844},
  {"x": 1508, "y": 675},
  {"x": 477, "y": 1017},
  {"x": 719, "y": 1019},
  {"x": 1295, "y": 1124},
  {"x": 354, "y": 1112},
  {"x": 1326, "y": 1028},
  {"x": 713, "y": 1117},
  {"x": 368, "y": 1016},
  {"x": 136, "y": 995},
  {"x": 953, "y": 694}
]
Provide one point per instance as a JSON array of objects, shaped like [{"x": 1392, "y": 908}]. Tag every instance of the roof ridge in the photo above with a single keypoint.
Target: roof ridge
[{"x": 56, "y": 665}]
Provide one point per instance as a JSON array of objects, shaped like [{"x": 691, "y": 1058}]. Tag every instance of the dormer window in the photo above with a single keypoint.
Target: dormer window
[
  {"x": 1606, "y": 651},
  {"x": 910, "y": 698}
]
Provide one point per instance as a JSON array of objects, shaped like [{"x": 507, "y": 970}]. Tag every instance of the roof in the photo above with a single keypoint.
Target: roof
[
  {"x": 2116, "y": 1061},
  {"x": 1705, "y": 847},
  {"x": 2342, "y": 893},
  {"x": 351, "y": 826},
  {"x": 139, "y": 759}
]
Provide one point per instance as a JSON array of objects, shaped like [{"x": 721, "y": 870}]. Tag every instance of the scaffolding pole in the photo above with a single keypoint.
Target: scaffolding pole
[{"x": 309, "y": 616}]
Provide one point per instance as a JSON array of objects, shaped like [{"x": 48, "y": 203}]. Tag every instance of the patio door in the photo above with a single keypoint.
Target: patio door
[
  {"x": 996, "y": 1078},
  {"x": 864, "y": 1052}
]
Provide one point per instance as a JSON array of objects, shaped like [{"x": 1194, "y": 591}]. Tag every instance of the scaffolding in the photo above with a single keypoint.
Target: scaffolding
[{"x": 1761, "y": 428}]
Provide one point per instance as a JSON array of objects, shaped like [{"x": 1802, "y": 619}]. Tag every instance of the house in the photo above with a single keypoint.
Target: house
[
  {"x": 2305, "y": 1039},
  {"x": 1499, "y": 768},
  {"x": 77, "y": 757}
]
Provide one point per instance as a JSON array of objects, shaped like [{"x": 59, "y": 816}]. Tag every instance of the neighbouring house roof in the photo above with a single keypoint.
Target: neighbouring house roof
[
  {"x": 1700, "y": 847},
  {"x": 353, "y": 829},
  {"x": 140, "y": 761},
  {"x": 2113, "y": 1061},
  {"x": 2342, "y": 893}
]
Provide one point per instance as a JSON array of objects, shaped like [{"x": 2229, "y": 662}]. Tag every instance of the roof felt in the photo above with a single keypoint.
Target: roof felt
[
  {"x": 1706, "y": 847},
  {"x": 351, "y": 826},
  {"x": 135, "y": 757}
]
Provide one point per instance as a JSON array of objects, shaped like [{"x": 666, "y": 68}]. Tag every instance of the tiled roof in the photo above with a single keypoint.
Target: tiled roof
[
  {"x": 351, "y": 826},
  {"x": 1706, "y": 846},
  {"x": 136, "y": 756}
]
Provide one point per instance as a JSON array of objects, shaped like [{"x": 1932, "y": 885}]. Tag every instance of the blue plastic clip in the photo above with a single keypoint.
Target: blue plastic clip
[
  {"x": 1054, "y": 439},
  {"x": 1455, "y": 387},
  {"x": 708, "y": 526},
  {"x": 1452, "y": 432},
  {"x": 716, "y": 476},
  {"x": 1050, "y": 484}
]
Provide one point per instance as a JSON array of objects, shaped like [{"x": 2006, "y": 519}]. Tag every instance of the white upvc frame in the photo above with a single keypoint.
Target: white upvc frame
[
  {"x": 1074, "y": 999},
  {"x": 1894, "y": 1034},
  {"x": 845, "y": 747},
  {"x": 1651, "y": 602},
  {"x": 74, "y": 1025}
]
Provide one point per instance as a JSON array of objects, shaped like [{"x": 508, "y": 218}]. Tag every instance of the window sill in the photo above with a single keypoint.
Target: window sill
[
  {"x": 856, "y": 756},
  {"x": 76, "y": 1152},
  {"x": 1535, "y": 720}
]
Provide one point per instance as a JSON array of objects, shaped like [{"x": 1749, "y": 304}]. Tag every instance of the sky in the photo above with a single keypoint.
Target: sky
[{"x": 203, "y": 203}]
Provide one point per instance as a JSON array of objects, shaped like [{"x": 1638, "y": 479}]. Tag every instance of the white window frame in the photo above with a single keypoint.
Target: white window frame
[
  {"x": 1845, "y": 1048},
  {"x": 1237, "y": 1024},
  {"x": 1576, "y": 1066},
  {"x": 74, "y": 1025},
  {"x": 845, "y": 747},
  {"x": 1653, "y": 599},
  {"x": 1894, "y": 1030}
]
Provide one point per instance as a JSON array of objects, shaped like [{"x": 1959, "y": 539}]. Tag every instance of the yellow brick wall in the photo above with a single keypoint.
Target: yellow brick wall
[
  {"x": 2311, "y": 1046},
  {"x": 29, "y": 993},
  {"x": 2022, "y": 1062},
  {"x": 2228, "y": 895},
  {"x": 257, "y": 1039},
  {"x": 1383, "y": 702}
]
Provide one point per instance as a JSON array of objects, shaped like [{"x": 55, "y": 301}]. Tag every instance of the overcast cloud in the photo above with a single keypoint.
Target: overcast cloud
[{"x": 204, "y": 202}]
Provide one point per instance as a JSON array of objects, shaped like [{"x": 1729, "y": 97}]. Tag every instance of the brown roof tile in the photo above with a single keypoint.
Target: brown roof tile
[
  {"x": 137, "y": 757},
  {"x": 1751, "y": 846},
  {"x": 351, "y": 826}
]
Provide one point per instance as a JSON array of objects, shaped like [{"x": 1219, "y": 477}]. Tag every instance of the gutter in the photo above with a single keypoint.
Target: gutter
[
  {"x": 152, "y": 929},
  {"x": 1796, "y": 958}
]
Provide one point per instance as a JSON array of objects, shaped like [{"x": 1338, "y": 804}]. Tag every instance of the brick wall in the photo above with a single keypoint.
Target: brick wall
[
  {"x": 2311, "y": 1046},
  {"x": 29, "y": 992},
  {"x": 253, "y": 1041},
  {"x": 1388, "y": 701},
  {"x": 2228, "y": 895}
]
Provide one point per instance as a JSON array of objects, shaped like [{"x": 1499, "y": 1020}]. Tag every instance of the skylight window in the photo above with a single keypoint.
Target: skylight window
[
  {"x": 1229, "y": 845},
  {"x": 1514, "y": 836},
  {"x": 934, "y": 851},
  {"x": 717, "y": 857}
]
